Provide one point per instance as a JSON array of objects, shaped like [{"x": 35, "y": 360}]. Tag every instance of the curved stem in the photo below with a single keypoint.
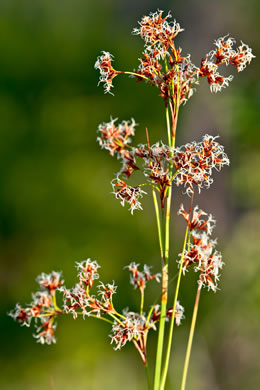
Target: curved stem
[
  {"x": 134, "y": 74},
  {"x": 99, "y": 318},
  {"x": 137, "y": 75},
  {"x": 116, "y": 319},
  {"x": 188, "y": 352}
]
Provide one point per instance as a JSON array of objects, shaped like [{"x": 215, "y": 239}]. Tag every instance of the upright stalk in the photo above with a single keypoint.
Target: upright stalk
[
  {"x": 164, "y": 292},
  {"x": 192, "y": 328},
  {"x": 157, "y": 214},
  {"x": 148, "y": 377},
  {"x": 169, "y": 344},
  {"x": 165, "y": 258}
]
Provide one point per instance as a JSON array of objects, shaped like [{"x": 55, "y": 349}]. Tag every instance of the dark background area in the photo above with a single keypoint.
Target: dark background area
[{"x": 56, "y": 205}]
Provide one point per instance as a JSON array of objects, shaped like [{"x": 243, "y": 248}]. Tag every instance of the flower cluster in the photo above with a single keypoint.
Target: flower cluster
[
  {"x": 116, "y": 139},
  {"x": 88, "y": 272},
  {"x": 139, "y": 279},
  {"x": 43, "y": 309},
  {"x": 164, "y": 66},
  {"x": 127, "y": 194},
  {"x": 50, "y": 281},
  {"x": 201, "y": 253},
  {"x": 196, "y": 222},
  {"x": 133, "y": 327},
  {"x": 158, "y": 33},
  {"x": 78, "y": 300},
  {"x": 107, "y": 72},
  {"x": 194, "y": 163},
  {"x": 224, "y": 53}
]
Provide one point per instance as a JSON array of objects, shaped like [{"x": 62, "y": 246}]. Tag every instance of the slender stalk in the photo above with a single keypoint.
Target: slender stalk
[
  {"x": 168, "y": 125},
  {"x": 164, "y": 293},
  {"x": 56, "y": 307},
  {"x": 169, "y": 344},
  {"x": 134, "y": 74},
  {"x": 167, "y": 224},
  {"x": 157, "y": 214},
  {"x": 142, "y": 302},
  {"x": 148, "y": 376},
  {"x": 116, "y": 319},
  {"x": 137, "y": 75},
  {"x": 99, "y": 318},
  {"x": 159, "y": 352},
  {"x": 192, "y": 328}
]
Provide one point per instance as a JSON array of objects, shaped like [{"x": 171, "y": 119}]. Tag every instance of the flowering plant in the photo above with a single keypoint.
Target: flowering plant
[{"x": 190, "y": 166}]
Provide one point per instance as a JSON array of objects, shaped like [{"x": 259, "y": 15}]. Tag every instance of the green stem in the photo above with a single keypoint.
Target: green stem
[
  {"x": 169, "y": 344},
  {"x": 148, "y": 376},
  {"x": 137, "y": 75},
  {"x": 168, "y": 125},
  {"x": 56, "y": 307},
  {"x": 188, "y": 352},
  {"x": 116, "y": 319},
  {"x": 157, "y": 214},
  {"x": 142, "y": 302},
  {"x": 167, "y": 225},
  {"x": 165, "y": 258},
  {"x": 159, "y": 352},
  {"x": 99, "y": 318}
]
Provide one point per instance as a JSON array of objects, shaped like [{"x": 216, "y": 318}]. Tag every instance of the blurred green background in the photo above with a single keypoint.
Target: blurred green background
[{"x": 56, "y": 205}]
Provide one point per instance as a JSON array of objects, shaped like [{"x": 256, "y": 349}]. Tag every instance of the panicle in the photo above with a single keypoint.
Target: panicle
[
  {"x": 201, "y": 253},
  {"x": 157, "y": 32},
  {"x": 133, "y": 328},
  {"x": 224, "y": 54},
  {"x": 107, "y": 72},
  {"x": 42, "y": 309},
  {"x": 127, "y": 194},
  {"x": 195, "y": 162}
]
